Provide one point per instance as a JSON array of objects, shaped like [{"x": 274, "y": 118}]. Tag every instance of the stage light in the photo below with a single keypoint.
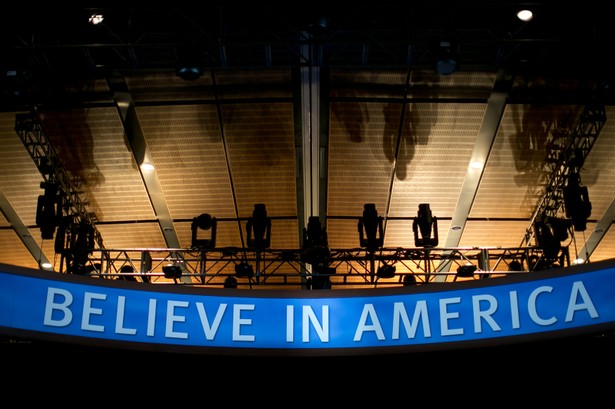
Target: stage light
[
  {"x": 546, "y": 239},
  {"x": 230, "y": 282},
  {"x": 244, "y": 270},
  {"x": 146, "y": 265},
  {"x": 207, "y": 223},
  {"x": 258, "y": 228},
  {"x": 371, "y": 228},
  {"x": 515, "y": 265},
  {"x": 576, "y": 201},
  {"x": 126, "y": 273},
  {"x": 49, "y": 209},
  {"x": 386, "y": 271},
  {"x": 315, "y": 248},
  {"x": 466, "y": 270},
  {"x": 172, "y": 271},
  {"x": 424, "y": 223},
  {"x": 409, "y": 279}
]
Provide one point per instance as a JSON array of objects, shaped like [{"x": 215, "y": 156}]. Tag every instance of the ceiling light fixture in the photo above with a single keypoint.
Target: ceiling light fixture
[
  {"x": 386, "y": 271},
  {"x": 525, "y": 15},
  {"x": 96, "y": 19},
  {"x": 466, "y": 271},
  {"x": 244, "y": 270},
  {"x": 446, "y": 58}
]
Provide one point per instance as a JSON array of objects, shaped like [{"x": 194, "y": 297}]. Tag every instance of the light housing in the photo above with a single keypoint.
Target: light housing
[
  {"x": 466, "y": 271},
  {"x": 244, "y": 270},
  {"x": 386, "y": 271},
  {"x": 172, "y": 271}
]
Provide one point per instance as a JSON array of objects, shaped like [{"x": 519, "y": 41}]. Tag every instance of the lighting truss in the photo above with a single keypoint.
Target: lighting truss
[{"x": 356, "y": 268}]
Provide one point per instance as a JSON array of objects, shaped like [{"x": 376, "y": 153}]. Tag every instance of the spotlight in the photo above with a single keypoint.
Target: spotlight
[
  {"x": 315, "y": 247},
  {"x": 466, "y": 271},
  {"x": 49, "y": 210},
  {"x": 515, "y": 265},
  {"x": 230, "y": 282},
  {"x": 146, "y": 265},
  {"x": 204, "y": 222},
  {"x": 126, "y": 272},
  {"x": 409, "y": 279},
  {"x": 424, "y": 222},
  {"x": 172, "y": 271},
  {"x": 244, "y": 270},
  {"x": 386, "y": 271},
  {"x": 576, "y": 201},
  {"x": 259, "y": 228},
  {"x": 371, "y": 228}
]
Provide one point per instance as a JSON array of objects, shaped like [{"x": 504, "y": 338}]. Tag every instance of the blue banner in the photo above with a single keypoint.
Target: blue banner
[{"x": 69, "y": 307}]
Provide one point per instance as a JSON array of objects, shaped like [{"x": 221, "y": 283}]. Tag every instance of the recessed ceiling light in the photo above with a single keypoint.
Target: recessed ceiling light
[
  {"x": 96, "y": 19},
  {"x": 456, "y": 228},
  {"x": 525, "y": 15},
  {"x": 147, "y": 167},
  {"x": 476, "y": 164}
]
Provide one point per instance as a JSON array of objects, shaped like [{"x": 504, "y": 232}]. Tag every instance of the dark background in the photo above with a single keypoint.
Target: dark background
[{"x": 578, "y": 368}]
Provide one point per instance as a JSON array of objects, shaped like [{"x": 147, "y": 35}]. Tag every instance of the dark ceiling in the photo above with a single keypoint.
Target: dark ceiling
[{"x": 310, "y": 113}]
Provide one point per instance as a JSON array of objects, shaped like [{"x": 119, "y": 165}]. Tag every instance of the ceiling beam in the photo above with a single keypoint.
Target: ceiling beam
[
  {"x": 603, "y": 225},
  {"x": 22, "y": 230},
  {"x": 482, "y": 148},
  {"x": 142, "y": 155}
]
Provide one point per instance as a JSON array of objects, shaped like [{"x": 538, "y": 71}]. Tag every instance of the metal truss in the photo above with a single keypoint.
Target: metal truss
[
  {"x": 41, "y": 150},
  {"x": 567, "y": 155},
  {"x": 270, "y": 268}
]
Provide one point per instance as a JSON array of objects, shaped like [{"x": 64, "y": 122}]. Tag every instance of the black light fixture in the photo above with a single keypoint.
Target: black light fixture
[
  {"x": 546, "y": 239},
  {"x": 466, "y": 270},
  {"x": 515, "y": 265},
  {"x": 386, "y": 271},
  {"x": 258, "y": 228},
  {"x": 49, "y": 209},
  {"x": 424, "y": 223},
  {"x": 371, "y": 228},
  {"x": 205, "y": 222},
  {"x": 172, "y": 271},
  {"x": 146, "y": 265},
  {"x": 446, "y": 61},
  {"x": 190, "y": 66},
  {"x": 244, "y": 270},
  {"x": 576, "y": 201},
  {"x": 409, "y": 279},
  {"x": 315, "y": 248},
  {"x": 189, "y": 72},
  {"x": 230, "y": 282},
  {"x": 127, "y": 273}
]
